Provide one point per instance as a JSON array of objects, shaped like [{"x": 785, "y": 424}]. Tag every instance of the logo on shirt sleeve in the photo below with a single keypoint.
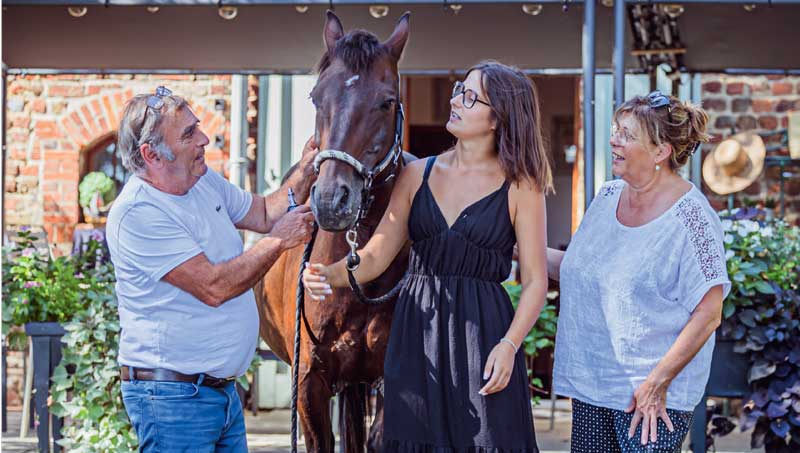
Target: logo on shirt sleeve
[{"x": 218, "y": 208}]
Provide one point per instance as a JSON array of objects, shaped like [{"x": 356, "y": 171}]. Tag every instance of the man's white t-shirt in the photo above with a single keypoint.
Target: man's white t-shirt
[{"x": 151, "y": 232}]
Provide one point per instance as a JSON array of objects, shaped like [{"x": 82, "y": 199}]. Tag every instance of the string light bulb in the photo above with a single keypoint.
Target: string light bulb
[
  {"x": 77, "y": 11},
  {"x": 532, "y": 9},
  {"x": 378, "y": 11},
  {"x": 152, "y": 9},
  {"x": 302, "y": 9},
  {"x": 228, "y": 12}
]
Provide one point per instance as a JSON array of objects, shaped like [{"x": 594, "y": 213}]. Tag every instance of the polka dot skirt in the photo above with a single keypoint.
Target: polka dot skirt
[{"x": 600, "y": 430}]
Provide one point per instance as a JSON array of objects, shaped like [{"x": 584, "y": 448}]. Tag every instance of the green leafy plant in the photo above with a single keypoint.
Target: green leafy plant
[
  {"x": 762, "y": 314},
  {"x": 542, "y": 335},
  {"x": 37, "y": 288},
  {"x": 96, "y": 182},
  {"x": 86, "y": 384}
]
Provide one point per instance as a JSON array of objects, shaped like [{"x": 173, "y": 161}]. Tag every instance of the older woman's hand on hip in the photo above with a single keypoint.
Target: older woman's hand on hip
[{"x": 649, "y": 403}]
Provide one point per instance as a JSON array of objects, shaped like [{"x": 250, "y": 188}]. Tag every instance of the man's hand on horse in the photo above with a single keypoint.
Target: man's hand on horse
[
  {"x": 315, "y": 280},
  {"x": 294, "y": 228},
  {"x": 310, "y": 151}
]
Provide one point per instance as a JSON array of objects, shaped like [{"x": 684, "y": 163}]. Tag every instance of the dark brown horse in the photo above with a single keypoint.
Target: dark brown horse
[{"x": 357, "y": 99}]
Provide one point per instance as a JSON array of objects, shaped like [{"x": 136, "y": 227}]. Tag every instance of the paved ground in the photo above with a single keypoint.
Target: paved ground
[{"x": 268, "y": 432}]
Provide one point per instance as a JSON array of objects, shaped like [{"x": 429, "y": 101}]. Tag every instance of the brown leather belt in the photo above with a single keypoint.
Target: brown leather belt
[{"x": 160, "y": 374}]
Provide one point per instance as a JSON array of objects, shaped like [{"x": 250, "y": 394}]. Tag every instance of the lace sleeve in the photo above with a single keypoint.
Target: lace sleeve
[{"x": 703, "y": 257}]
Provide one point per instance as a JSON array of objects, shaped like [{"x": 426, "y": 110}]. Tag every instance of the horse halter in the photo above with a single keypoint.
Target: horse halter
[{"x": 369, "y": 176}]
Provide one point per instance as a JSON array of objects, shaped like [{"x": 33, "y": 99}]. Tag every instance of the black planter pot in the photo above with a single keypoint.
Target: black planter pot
[
  {"x": 46, "y": 341},
  {"x": 728, "y": 379}
]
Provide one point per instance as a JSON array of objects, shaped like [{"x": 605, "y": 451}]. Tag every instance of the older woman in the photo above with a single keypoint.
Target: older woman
[{"x": 642, "y": 285}]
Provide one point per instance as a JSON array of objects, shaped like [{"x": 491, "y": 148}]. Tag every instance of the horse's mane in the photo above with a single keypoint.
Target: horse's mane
[{"x": 357, "y": 49}]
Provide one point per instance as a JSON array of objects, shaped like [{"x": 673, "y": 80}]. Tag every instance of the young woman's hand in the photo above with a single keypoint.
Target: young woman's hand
[
  {"x": 498, "y": 368},
  {"x": 315, "y": 280}
]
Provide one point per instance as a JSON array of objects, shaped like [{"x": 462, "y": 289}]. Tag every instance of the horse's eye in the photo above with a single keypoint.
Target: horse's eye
[{"x": 387, "y": 104}]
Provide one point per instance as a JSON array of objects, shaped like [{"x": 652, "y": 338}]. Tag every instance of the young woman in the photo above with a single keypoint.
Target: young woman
[{"x": 454, "y": 378}]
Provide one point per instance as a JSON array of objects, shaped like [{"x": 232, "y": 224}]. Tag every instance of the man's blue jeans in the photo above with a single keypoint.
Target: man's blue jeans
[{"x": 179, "y": 416}]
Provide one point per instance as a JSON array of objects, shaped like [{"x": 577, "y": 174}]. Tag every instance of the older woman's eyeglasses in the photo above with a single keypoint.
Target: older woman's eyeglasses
[{"x": 468, "y": 97}]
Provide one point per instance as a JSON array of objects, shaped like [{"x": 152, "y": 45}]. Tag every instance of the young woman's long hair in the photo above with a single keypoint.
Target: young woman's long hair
[{"x": 518, "y": 135}]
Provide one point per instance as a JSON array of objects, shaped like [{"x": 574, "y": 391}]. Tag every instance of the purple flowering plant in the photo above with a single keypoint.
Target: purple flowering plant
[{"x": 37, "y": 288}]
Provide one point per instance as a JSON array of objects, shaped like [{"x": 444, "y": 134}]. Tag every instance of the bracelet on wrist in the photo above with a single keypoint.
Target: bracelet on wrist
[{"x": 511, "y": 343}]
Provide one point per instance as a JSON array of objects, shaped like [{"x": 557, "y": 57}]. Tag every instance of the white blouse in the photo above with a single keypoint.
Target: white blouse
[{"x": 626, "y": 294}]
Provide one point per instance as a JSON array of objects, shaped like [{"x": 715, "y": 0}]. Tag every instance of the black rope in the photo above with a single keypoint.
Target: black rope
[
  {"x": 377, "y": 300},
  {"x": 300, "y": 313}
]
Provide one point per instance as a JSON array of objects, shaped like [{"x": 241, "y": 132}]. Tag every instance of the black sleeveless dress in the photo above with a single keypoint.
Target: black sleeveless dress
[{"x": 449, "y": 316}]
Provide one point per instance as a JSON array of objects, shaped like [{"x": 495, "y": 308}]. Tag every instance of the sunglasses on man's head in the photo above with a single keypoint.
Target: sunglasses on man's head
[{"x": 155, "y": 102}]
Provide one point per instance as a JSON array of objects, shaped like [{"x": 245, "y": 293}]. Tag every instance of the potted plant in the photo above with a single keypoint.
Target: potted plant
[
  {"x": 761, "y": 316},
  {"x": 96, "y": 192}
]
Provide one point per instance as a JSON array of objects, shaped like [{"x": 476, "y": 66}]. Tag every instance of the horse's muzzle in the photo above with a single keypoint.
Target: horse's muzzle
[{"x": 335, "y": 208}]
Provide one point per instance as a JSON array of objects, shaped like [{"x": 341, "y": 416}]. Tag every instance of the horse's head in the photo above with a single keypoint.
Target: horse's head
[{"x": 357, "y": 97}]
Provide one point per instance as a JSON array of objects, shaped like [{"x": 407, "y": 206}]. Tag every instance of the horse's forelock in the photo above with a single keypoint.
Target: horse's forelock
[{"x": 357, "y": 50}]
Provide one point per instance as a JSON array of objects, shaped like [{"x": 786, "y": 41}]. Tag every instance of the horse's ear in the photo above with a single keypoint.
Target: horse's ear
[
  {"x": 333, "y": 30},
  {"x": 397, "y": 41}
]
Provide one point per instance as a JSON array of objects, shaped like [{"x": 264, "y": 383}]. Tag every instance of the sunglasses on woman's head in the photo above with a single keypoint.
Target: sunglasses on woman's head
[{"x": 657, "y": 99}]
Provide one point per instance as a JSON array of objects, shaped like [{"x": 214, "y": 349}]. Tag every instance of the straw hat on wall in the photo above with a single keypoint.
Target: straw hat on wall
[{"x": 735, "y": 163}]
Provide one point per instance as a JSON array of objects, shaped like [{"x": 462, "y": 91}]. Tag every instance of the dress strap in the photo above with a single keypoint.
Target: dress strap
[{"x": 428, "y": 167}]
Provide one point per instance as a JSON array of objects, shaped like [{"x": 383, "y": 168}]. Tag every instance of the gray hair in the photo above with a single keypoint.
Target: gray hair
[{"x": 141, "y": 124}]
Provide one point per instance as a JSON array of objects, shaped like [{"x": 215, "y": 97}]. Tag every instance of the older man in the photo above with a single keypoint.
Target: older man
[{"x": 186, "y": 307}]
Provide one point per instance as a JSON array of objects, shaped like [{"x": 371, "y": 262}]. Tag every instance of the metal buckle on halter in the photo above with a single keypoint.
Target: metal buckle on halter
[{"x": 353, "y": 260}]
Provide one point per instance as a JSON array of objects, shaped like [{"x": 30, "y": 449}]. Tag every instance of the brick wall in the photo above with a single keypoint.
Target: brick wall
[
  {"x": 53, "y": 119},
  {"x": 760, "y": 104}
]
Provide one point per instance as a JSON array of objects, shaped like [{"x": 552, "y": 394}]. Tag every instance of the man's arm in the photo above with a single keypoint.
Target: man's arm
[
  {"x": 214, "y": 284},
  {"x": 265, "y": 211}
]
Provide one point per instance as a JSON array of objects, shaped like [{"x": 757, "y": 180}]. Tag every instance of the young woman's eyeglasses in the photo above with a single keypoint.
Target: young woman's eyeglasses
[{"x": 468, "y": 97}]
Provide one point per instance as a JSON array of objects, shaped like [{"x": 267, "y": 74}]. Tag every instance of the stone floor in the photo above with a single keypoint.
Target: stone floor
[{"x": 268, "y": 432}]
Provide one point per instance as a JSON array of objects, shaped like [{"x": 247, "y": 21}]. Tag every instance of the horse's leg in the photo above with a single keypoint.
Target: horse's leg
[
  {"x": 352, "y": 417},
  {"x": 375, "y": 442},
  {"x": 313, "y": 402}
]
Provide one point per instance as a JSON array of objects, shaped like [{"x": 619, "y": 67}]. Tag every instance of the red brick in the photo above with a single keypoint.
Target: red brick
[
  {"x": 735, "y": 88},
  {"x": 90, "y": 122},
  {"x": 100, "y": 115},
  {"x": 64, "y": 90},
  {"x": 38, "y": 106},
  {"x": 51, "y": 167},
  {"x": 36, "y": 153},
  {"x": 12, "y": 168},
  {"x": 741, "y": 105},
  {"x": 785, "y": 122},
  {"x": 712, "y": 87},
  {"x": 50, "y": 186},
  {"x": 111, "y": 112},
  {"x": 715, "y": 104},
  {"x": 763, "y": 105},
  {"x": 784, "y": 105},
  {"x": 17, "y": 153},
  {"x": 724, "y": 122},
  {"x": 781, "y": 88},
  {"x": 759, "y": 87},
  {"x": 217, "y": 90},
  {"x": 10, "y": 186},
  {"x": 29, "y": 170},
  {"x": 768, "y": 122},
  {"x": 20, "y": 120},
  {"x": 746, "y": 122},
  {"x": 46, "y": 129}
]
